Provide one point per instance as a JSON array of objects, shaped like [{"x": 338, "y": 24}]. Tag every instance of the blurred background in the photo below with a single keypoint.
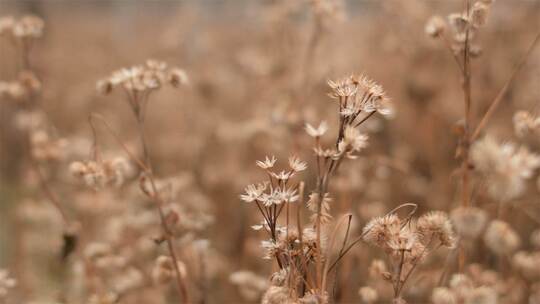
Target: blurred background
[{"x": 257, "y": 73}]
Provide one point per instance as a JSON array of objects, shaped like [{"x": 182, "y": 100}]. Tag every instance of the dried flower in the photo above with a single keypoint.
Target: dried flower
[
  {"x": 436, "y": 225},
  {"x": 479, "y": 14},
  {"x": 469, "y": 222},
  {"x": 368, "y": 294},
  {"x": 528, "y": 264},
  {"x": 267, "y": 163},
  {"x": 276, "y": 295},
  {"x": 505, "y": 167},
  {"x": 177, "y": 77},
  {"x": 501, "y": 238},
  {"x": 28, "y": 27},
  {"x": 164, "y": 270},
  {"x": 525, "y": 123},
  {"x": 381, "y": 230},
  {"x": 250, "y": 285},
  {"x": 6, "y": 283},
  {"x": 296, "y": 164},
  {"x": 316, "y": 132},
  {"x": 353, "y": 141},
  {"x": 435, "y": 26}
]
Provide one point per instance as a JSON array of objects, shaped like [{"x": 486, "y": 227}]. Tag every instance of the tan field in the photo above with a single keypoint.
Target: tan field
[{"x": 270, "y": 151}]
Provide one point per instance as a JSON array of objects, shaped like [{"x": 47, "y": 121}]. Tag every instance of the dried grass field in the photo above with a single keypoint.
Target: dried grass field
[{"x": 270, "y": 151}]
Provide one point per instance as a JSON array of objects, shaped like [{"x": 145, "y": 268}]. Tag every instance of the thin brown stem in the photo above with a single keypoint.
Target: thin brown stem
[
  {"x": 181, "y": 285},
  {"x": 493, "y": 106}
]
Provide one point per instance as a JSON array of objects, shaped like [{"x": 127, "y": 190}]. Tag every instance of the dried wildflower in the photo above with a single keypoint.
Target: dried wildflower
[
  {"x": 267, "y": 163},
  {"x": 501, "y": 238},
  {"x": 29, "y": 81},
  {"x": 458, "y": 23},
  {"x": 44, "y": 148},
  {"x": 479, "y": 14},
  {"x": 461, "y": 281},
  {"x": 435, "y": 26},
  {"x": 316, "y": 132},
  {"x": 443, "y": 295},
  {"x": 358, "y": 94},
  {"x": 6, "y": 283},
  {"x": 353, "y": 141},
  {"x": 139, "y": 81},
  {"x": 525, "y": 123},
  {"x": 296, "y": 164},
  {"x": 469, "y": 222},
  {"x": 100, "y": 174},
  {"x": 276, "y": 295},
  {"x": 368, "y": 294},
  {"x": 164, "y": 270},
  {"x": 505, "y": 167},
  {"x": 177, "y": 77},
  {"x": 528, "y": 264},
  {"x": 436, "y": 225},
  {"x": 128, "y": 280},
  {"x": 342, "y": 88},
  {"x": 28, "y": 27},
  {"x": 404, "y": 240},
  {"x": 311, "y": 297},
  {"x": 380, "y": 230},
  {"x": 254, "y": 192}
]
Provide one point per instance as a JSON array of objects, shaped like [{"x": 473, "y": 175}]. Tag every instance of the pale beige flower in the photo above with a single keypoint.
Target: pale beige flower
[
  {"x": 267, "y": 163},
  {"x": 436, "y": 225},
  {"x": 368, "y": 294},
  {"x": 501, "y": 238},
  {"x": 435, "y": 26},
  {"x": 316, "y": 132},
  {"x": 469, "y": 222},
  {"x": 443, "y": 295}
]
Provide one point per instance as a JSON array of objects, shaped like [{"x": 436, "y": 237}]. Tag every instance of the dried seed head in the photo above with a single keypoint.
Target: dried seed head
[
  {"x": 104, "y": 86},
  {"x": 505, "y": 166},
  {"x": 28, "y": 27},
  {"x": 525, "y": 123},
  {"x": 458, "y": 23},
  {"x": 316, "y": 132},
  {"x": 528, "y": 264},
  {"x": 296, "y": 164},
  {"x": 436, "y": 225},
  {"x": 443, "y": 295},
  {"x": 501, "y": 238},
  {"x": 479, "y": 14},
  {"x": 164, "y": 271},
  {"x": 6, "y": 283},
  {"x": 435, "y": 26},
  {"x": 267, "y": 163},
  {"x": 250, "y": 285},
  {"x": 353, "y": 141},
  {"x": 469, "y": 222},
  {"x": 368, "y": 294},
  {"x": 276, "y": 295},
  {"x": 177, "y": 77},
  {"x": 380, "y": 230}
]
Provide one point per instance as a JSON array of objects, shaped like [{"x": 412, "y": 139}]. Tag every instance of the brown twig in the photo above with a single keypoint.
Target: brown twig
[{"x": 504, "y": 89}]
